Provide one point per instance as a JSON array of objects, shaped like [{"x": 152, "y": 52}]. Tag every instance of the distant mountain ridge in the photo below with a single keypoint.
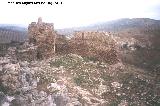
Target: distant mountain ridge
[
  {"x": 121, "y": 24},
  {"x": 116, "y": 25},
  {"x": 13, "y": 27}
]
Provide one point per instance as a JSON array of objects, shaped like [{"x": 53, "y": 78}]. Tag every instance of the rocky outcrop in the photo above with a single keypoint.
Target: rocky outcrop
[
  {"x": 20, "y": 81},
  {"x": 27, "y": 52}
]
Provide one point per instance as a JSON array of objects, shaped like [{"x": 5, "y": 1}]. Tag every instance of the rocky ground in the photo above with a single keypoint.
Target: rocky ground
[{"x": 72, "y": 80}]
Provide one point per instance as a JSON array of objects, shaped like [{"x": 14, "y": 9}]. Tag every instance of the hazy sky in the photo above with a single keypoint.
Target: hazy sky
[{"x": 77, "y": 12}]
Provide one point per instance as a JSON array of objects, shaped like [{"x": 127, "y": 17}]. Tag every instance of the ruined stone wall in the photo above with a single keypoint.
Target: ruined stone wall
[
  {"x": 94, "y": 44},
  {"x": 27, "y": 52}
]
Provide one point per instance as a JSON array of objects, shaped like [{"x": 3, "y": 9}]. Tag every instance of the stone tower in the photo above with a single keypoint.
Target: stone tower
[
  {"x": 39, "y": 20},
  {"x": 42, "y": 34}
]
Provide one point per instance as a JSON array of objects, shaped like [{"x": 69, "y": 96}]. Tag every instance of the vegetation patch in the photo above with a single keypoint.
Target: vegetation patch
[{"x": 67, "y": 61}]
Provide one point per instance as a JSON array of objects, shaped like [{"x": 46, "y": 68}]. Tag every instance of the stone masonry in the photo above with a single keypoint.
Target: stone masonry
[
  {"x": 43, "y": 36},
  {"x": 94, "y": 44}
]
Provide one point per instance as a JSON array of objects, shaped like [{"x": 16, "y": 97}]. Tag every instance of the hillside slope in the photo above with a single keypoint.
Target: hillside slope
[{"x": 9, "y": 33}]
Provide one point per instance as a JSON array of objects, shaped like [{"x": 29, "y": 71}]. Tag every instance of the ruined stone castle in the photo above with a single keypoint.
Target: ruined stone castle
[{"x": 44, "y": 43}]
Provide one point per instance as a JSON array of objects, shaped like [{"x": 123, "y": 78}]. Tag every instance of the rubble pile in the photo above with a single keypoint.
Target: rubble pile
[
  {"x": 43, "y": 36},
  {"x": 20, "y": 85},
  {"x": 26, "y": 52},
  {"x": 97, "y": 45}
]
